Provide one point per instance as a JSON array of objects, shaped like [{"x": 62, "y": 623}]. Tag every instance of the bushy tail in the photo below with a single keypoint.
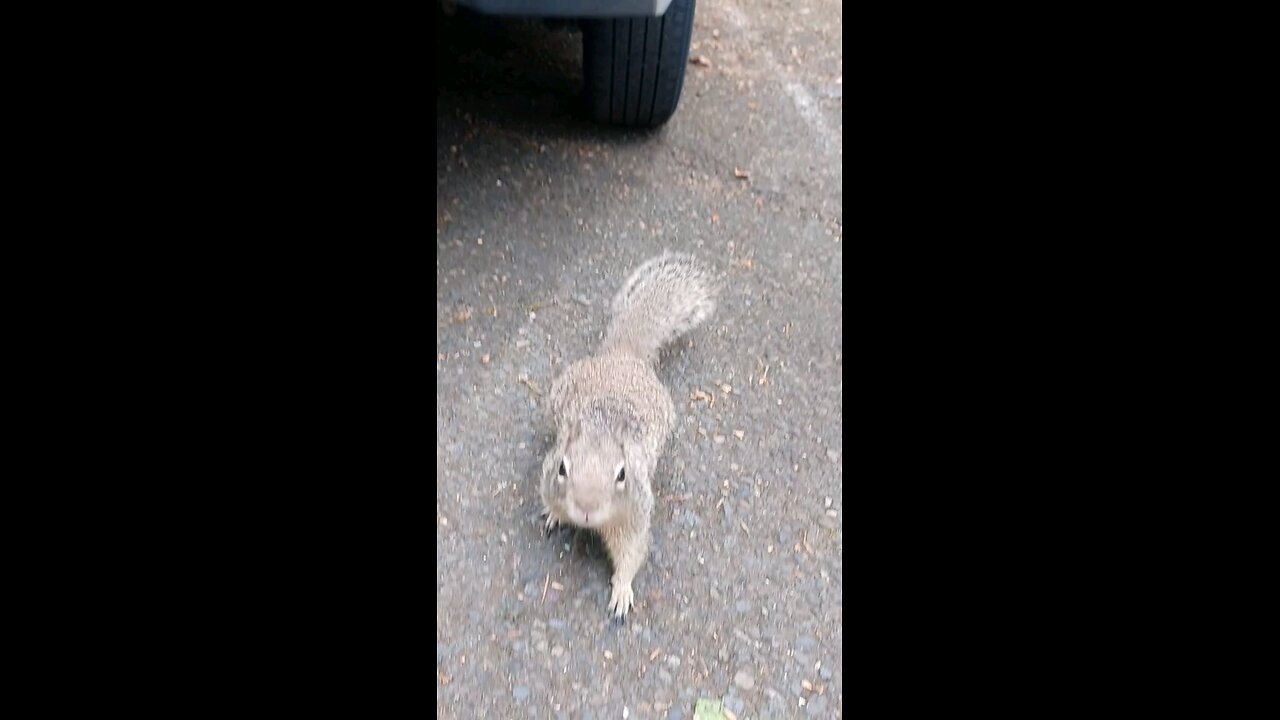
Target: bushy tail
[{"x": 664, "y": 298}]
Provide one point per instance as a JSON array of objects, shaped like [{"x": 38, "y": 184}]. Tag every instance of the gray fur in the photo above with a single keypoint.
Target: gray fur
[
  {"x": 611, "y": 410},
  {"x": 664, "y": 298}
]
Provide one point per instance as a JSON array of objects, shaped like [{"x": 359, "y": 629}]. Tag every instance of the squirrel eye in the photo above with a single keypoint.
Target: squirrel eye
[{"x": 562, "y": 472}]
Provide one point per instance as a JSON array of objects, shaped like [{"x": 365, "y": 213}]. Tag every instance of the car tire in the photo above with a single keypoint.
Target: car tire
[{"x": 633, "y": 68}]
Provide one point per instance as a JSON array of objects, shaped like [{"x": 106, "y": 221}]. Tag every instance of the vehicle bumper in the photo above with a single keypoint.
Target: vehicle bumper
[{"x": 568, "y": 8}]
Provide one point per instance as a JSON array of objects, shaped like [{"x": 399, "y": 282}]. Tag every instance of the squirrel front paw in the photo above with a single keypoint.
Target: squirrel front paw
[
  {"x": 550, "y": 522},
  {"x": 621, "y": 599}
]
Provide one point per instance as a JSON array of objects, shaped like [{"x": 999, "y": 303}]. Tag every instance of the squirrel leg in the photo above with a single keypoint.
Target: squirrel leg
[
  {"x": 551, "y": 522},
  {"x": 628, "y": 547}
]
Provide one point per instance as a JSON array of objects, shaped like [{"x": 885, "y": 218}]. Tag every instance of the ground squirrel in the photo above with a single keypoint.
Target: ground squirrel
[{"x": 613, "y": 416}]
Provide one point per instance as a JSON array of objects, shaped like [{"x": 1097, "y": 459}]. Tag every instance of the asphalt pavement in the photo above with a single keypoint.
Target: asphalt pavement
[{"x": 540, "y": 215}]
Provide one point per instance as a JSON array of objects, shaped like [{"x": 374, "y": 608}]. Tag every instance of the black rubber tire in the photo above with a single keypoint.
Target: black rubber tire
[{"x": 633, "y": 68}]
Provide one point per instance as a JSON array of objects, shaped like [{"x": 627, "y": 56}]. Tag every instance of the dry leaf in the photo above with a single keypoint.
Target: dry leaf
[
  {"x": 739, "y": 434},
  {"x": 726, "y": 389},
  {"x": 715, "y": 219},
  {"x": 741, "y": 174},
  {"x": 484, "y": 359},
  {"x": 531, "y": 385},
  {"x": 700, "y": 60},
  {"x": 653, "y": 655}
]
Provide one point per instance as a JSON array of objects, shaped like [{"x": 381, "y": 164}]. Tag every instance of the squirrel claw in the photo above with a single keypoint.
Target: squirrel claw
[
  {"x": 621, "y": 600},
  {"x": 550, "y": 525}
]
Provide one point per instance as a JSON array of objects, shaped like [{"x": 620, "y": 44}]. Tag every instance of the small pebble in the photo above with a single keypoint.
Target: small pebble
[
  {"x": 521, "y": 693},
  {"x": 484, "y": 359},
  {"x": 817, "y": 706},
  {"x": 743, "y": 679},
  {"x": 557, "y": 651}
]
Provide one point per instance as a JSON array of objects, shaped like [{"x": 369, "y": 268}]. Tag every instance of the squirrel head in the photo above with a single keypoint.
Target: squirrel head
[{"x": 590, "y": 481}]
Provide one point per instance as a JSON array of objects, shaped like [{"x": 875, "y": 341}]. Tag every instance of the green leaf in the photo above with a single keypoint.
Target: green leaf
[{"x": 708, "y": 710}]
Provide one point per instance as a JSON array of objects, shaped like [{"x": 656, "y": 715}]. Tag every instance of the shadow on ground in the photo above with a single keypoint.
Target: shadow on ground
[{"x": 518, "y": 73}]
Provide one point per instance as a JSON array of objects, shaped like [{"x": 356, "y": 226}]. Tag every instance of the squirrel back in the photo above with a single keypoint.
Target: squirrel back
[{"x": 664, "y": 298}]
